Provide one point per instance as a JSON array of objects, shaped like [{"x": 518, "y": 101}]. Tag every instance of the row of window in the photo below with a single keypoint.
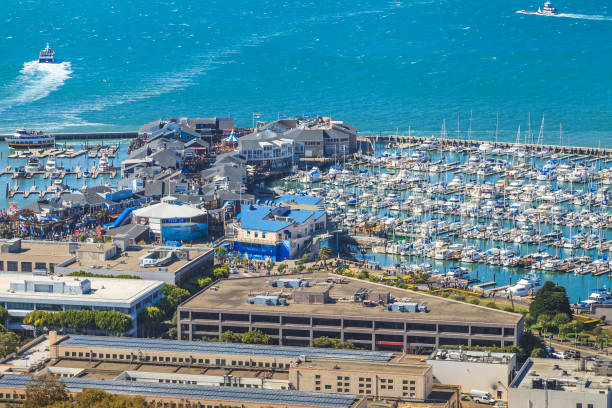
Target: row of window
[
  {"x": 13, "y": 266},
  {"x": 168, "y": 359}
]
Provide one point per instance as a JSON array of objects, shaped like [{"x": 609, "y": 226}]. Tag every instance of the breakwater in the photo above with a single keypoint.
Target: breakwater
[
  {"x": 90, "y": 135},
  {"x": 582, "y": 150}
]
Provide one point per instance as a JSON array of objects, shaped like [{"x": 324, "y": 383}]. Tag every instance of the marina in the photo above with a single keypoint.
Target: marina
[
  {"x": 36, "y": 173},
  {"x": 500, "y": 210}
]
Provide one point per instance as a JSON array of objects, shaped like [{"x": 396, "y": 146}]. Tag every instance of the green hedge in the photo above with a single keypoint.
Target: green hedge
[{"x": 111, "y": 321}]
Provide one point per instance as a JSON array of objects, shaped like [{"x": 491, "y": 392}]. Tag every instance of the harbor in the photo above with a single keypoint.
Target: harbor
[
  {"x": 36, "y": 173},
  {"x": 500, "y": 211}
]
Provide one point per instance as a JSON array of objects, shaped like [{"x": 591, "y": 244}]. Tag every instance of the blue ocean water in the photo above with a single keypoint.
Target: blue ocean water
[{"x": 381, "y": 65}]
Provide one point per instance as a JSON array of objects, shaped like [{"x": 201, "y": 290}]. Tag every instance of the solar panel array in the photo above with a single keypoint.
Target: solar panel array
[
  {"x": 196, "y": 392},
  {"x": 126, "y": 343}
]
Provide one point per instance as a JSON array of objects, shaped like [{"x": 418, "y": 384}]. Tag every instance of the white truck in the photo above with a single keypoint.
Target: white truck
[{"x": 482, "y": 397}]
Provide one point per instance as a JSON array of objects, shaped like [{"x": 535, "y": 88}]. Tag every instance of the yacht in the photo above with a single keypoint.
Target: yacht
[
  {"x": 458, "y": 272},
  {"x": 50, "y": 165},
  {"x": 600, "y": 297},
  {"x": 103, "y": 164},
  {"x": 32, "y": 165},
  {"x": 524, "y": 286}
]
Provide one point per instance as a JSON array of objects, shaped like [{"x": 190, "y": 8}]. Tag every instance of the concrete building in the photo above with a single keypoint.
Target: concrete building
[
  {"x": 365, "y": 313},
  {"x": 167, "y": 264},
  {"x": 554, "y": 383},
  {"x": 377, "y": 379},
  {"x": 276, "y": 232},
  {"x": 474, "y": 370},
  {"x": 21, "y": 295}
]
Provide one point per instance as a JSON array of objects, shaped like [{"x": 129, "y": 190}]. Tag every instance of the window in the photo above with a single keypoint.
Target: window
[
  {"x": 26, "y": 267},
  {"x": 578, "y": 405},
  {"x": 589, "y": 405},
  {"x": 12, "y": 266},
  {"x": 328, "y": 387}
]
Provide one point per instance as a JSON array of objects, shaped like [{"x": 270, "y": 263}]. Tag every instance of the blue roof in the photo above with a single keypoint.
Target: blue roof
[
  {"x": 253, "y": 217},
  {"x": 183, "y": 346},
  {"x": 196, "y": 392},
  {"x": 299, "y": 199}
]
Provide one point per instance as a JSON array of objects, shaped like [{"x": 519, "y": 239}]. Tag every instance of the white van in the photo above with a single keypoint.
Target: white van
[{"x": 482, "y": 397}]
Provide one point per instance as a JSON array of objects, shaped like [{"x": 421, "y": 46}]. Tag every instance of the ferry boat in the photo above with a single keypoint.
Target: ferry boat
[
  {"x": 25, "y": 139},
  {"x": 32, "y": 165},
  {"x": 46, "y": 56},
  {"x": 546, "y": 10}
]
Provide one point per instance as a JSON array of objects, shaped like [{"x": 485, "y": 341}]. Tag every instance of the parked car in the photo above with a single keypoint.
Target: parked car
[
  {"x": 482, "y": 397},
  {"x": 571, "y": 353}
]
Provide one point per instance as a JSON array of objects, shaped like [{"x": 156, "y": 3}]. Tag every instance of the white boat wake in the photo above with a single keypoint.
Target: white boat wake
[
  {"x": 36, "y": 81},
  {"x": 585, "y": 16}
]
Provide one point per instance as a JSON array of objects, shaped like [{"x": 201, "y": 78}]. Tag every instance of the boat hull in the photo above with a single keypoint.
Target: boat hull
[{"x": 27, "y": 145}]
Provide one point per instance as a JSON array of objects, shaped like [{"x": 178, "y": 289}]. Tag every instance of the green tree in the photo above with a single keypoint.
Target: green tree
[
  {"x": 229, "y": 336},
  {"x": 3, "y": 315},
  {"x": 281, "y": 267},
  {"x": 324, "y": 254},
  {"x": 551, "y": 299},
  {"x": 9, "y": 343},
  {"x": 95, "y": 398},
  {"x": 45, "y": 390},
  {"x": 255, "y": 336},
  {"x": 539, "y": 353},
  {"x": 530, "y": 341},
  {"x": 560, "y": 318},
  {"x": 221, "y": 271},
  {"x": 150, "y": 318},
  {"x": 221, "y": 252}
]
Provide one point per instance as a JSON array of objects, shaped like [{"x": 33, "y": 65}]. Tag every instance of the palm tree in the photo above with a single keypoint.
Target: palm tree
[{"x": 324, "y": 254}]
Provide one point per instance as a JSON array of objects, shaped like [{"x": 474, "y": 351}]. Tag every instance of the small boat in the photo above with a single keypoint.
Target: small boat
[
  {"x": 458, "y": 272},
  {"x": 546, "y": 10}
]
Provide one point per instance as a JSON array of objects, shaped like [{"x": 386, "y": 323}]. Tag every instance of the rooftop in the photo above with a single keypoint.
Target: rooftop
[
  {"x": 380, "y": 367},
  {"x": 103, "y": 290},
  {"x": 557, "y": 374},
  {"x": 487, "y": 357},
  {"x": 266, "y": 218},
  {"x": 195, "y": 392},
  {"x": 127, "y": 343},
  {"x": 232, "y": 294},
  {"x": 42, "y": 252},
  {"x": 128, "y": 261},
  {"x": 300, "y": 200},
  {"x": 169, "y": 209}
]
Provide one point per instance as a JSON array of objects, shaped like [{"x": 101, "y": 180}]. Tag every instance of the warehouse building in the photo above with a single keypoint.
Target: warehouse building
[{"x": 370, "y": 315}]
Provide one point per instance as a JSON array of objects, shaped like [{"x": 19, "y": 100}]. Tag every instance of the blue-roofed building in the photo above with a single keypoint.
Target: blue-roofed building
[
  {"x": 300, "y": 200},
  {"x": 276, "y": 232}
]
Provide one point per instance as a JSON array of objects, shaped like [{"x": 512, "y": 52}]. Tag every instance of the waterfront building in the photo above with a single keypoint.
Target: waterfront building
[
  {"x": 171, "y": 220},
  {"x": 20, "y": 295},
  {"x": 474, "y": 370},
  {"x": 276, "y": 232},
  {"x": 275, "y": 144},
  {"x": 372, "y": 316},
  {"x": 558, "y": 383}
]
